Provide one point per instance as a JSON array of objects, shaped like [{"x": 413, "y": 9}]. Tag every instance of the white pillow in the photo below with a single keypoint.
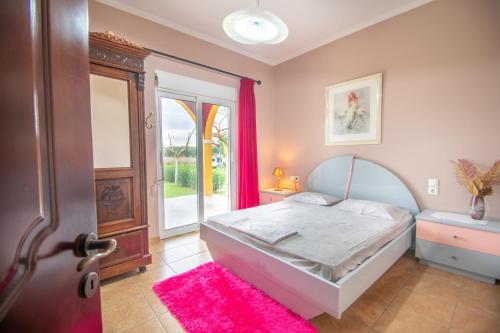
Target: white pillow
[
  {"x": 373, "y": 208},
  {"x": 353, "y": 206},
  {"x": 314, "y": 198}
]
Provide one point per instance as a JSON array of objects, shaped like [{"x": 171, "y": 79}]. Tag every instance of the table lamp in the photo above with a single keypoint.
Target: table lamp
[{"x": 278, "y": 173}]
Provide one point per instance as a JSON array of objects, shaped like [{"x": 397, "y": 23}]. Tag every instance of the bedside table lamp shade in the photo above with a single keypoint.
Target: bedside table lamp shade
[{"x": 278, "y": 173}]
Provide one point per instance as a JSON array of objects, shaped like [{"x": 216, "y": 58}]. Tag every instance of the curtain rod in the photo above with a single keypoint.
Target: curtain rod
[{"x": 199, "y": 64}]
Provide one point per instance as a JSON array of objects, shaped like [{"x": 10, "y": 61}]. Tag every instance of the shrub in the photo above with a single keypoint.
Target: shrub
[
  {"x": 218, "y": 179},
  {"x": 169, "y": 173},
  {"x": 187, "y": 175}
]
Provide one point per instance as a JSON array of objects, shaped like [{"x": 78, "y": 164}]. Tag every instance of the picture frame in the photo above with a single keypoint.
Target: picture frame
[{"x": 354, "y": 111}]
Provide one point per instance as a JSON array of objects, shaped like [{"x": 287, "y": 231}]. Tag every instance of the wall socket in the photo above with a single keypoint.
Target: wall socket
[
  {"x": 433, "y": 186},
  {"x": 295, "y": 178}
]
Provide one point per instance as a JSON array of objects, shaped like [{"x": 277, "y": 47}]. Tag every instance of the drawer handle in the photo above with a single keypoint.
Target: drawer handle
[{"x": 454, "y": 257}]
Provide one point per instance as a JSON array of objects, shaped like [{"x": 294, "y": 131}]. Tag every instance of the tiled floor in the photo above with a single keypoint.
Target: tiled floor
[
  {"x": 180, "y": 211},
  {"x": 408, "y": 298}
]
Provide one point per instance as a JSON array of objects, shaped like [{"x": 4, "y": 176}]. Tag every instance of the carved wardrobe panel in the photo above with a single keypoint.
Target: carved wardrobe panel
[{"x": 117, "y": 100}]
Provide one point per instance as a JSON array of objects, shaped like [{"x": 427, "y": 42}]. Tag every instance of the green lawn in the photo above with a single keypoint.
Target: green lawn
[
  {"x": 186, "y": 180},
  {"x": 172, "y": 190}
]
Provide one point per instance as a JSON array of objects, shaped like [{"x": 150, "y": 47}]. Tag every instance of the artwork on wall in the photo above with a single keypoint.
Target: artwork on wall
[{"x": 354, "y": 111}]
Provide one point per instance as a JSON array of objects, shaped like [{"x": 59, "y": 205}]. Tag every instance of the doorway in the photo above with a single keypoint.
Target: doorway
[{"x": 195, "y": 166}]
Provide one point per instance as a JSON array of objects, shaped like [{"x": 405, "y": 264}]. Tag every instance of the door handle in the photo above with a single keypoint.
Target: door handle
[
  {"x": 146, "y": 121},
  {"x": 154, "y": 186},
  {"x": 91, "y": 248}
]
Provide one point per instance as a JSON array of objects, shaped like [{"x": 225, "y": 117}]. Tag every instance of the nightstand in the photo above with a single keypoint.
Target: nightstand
[
  {"x": 468, "y": 249},
  {"x": 270, "y": 195}
]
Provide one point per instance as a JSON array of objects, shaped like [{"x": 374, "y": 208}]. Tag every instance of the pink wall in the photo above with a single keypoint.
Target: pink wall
[
  {"x": 441, "y": 97},
  {"x": 159, "y": 37},
  {"x": 441, "y": 93}
]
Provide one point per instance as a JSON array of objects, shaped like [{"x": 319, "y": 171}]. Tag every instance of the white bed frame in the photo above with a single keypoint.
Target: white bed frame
[{"x": 305, "y": 293}]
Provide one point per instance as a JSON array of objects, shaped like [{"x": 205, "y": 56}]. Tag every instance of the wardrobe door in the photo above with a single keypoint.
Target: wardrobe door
[{"x": 116, "y": 147}]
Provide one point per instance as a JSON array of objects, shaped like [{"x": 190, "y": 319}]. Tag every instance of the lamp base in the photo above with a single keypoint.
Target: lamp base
[{"x": 277, "y": 185}]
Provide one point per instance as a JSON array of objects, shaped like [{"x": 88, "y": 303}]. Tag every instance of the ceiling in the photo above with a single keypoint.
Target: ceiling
[{"x": 311, "y": 23}]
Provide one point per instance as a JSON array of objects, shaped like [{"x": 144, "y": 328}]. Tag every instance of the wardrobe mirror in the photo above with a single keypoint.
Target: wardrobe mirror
[{"x": 110, "y": 122}]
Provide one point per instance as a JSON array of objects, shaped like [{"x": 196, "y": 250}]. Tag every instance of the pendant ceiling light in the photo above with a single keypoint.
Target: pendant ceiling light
[{"x": 255, "y": 26}]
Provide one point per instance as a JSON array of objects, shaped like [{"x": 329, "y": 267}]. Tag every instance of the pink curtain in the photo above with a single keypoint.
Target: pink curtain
[{"x": 248, "y": 178}]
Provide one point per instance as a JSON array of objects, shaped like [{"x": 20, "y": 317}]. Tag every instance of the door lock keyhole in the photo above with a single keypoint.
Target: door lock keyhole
[{"x": 89, "y": 284}]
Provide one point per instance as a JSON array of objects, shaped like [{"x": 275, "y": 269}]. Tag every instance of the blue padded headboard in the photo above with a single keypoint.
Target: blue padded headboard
[{"x": 369, "y": 181}]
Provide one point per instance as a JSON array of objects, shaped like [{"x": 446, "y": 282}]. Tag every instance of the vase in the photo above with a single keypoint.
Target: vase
[{"x": 477, "y": 207}]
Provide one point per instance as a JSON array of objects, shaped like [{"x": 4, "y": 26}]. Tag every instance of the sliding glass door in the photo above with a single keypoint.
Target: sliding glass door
[{"x": 194, "y": 160}]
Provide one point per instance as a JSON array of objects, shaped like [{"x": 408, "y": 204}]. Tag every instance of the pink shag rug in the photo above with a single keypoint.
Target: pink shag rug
[{"x": 210, "y": 298}]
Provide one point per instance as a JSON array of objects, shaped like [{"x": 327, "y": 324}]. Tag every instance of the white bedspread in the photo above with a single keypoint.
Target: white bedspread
[
  {"x": 330, "y": 242},
  {"x": 270, "y": 233}
]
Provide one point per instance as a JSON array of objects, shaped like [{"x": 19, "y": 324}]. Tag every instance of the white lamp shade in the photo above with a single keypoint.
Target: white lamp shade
[{"x": 255, "y": 26}]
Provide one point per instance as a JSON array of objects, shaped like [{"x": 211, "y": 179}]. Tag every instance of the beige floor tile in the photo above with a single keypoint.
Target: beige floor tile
[
  {"x": 189, "y": 263},
  {"x": 476, "y": 284},
  {"x": 423, "y": 305},
  {"x": 399, "y": 321},
  {"x": 429, "y": 285},
  {"x": 170, "y": 324},
  {"x": 481, "y": 296},
  {"x": 347, "y": 324},
  {"x": 150, "y": 326},
  {"x": 409, "y": 297},
  {"x": 386, "y": 288},
  {"x": 107, "y": 329},
  {"x": 455, "y": 279},
  {"x": 164, "y": 245},
  {"x": 176, "y": 254},
  {"x": 156, "y": 304},
  {"x": 368, "y": 308},
  {"x": 197, "y": 246},
  {"x": 399, "y": 274},
  {"x": 466, "y": 320},
  {"x": 154, "y": 241},
  {"x": 156, "y": 262},
  {"x": 117, "y": 293},
  {"x": 189, "y": 238},
  {"x": 118, "y": 281},
  {"x": 146, "y": 291},
  {"x": 127, "y": 315},
  {"x": 149, "y": 277},
  {"x": 407, "y": 260}
]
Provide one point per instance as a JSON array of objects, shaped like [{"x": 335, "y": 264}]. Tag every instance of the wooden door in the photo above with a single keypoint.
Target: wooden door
[{"x": 47, "y": 192}]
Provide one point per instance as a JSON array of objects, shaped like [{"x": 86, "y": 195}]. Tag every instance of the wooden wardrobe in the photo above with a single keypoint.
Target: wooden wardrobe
[{"x": 117, "y": 103}]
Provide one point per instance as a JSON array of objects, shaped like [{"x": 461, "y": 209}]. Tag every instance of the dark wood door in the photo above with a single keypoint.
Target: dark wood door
[{"x": 47, "y": 191}]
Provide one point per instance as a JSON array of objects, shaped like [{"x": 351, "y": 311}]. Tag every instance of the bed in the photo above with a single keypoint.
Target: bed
[{"x": 322, "y": 278}]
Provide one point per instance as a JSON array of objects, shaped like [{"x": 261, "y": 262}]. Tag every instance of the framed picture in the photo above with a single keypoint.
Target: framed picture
[{"x": 354, "y": 111}]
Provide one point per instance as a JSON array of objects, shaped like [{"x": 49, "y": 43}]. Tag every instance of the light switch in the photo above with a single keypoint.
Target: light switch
[{"x": 433, "y": 186}]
